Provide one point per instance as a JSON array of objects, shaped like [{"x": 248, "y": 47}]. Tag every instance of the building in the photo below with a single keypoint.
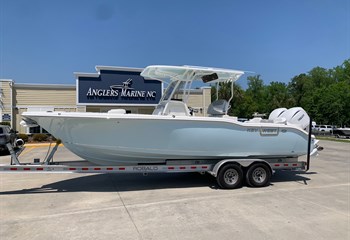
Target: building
[{"x": 108, "y": 88}]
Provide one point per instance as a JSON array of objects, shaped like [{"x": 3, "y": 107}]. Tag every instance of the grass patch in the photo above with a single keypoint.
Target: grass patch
[{"x": 332, "y": 139}]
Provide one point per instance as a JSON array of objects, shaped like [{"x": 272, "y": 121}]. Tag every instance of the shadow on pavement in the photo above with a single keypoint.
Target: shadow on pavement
[
  {"x": 123, "y": 182},
  {"x": 138, "y": 182},
  {"x": 291, "y": 176}
]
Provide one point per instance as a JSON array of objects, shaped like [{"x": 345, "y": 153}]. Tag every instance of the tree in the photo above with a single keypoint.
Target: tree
[
  {"x": 277, "y": 95},
  {"x": 332, "y": 104},
  {"x": 341, "y": 73},
  {"x": 256, "y": 93},
  {"x": 225, "y": 93},
  {"x": 323, "y": 93}
]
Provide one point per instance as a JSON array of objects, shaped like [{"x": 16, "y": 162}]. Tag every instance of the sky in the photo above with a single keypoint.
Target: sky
[{"x": 46, "y": 41}]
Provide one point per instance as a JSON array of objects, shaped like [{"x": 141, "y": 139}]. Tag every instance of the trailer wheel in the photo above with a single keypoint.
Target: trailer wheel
[
  {"x": 258, "y": 175},
  {"x": 230, "y": 176}
]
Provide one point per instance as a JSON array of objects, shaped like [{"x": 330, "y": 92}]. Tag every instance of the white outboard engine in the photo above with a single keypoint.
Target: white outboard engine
[
  {"x": 297, "y": 116},
  {"x": 277, "y": 113}
]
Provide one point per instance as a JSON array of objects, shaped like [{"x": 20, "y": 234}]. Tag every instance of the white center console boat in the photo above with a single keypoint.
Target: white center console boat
[{"x": 172, "y": 133}]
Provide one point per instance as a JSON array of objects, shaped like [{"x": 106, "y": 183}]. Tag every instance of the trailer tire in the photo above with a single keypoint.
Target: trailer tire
[
  {"x": 230, "y": 176},
  {"x": 258, "y": 175}
]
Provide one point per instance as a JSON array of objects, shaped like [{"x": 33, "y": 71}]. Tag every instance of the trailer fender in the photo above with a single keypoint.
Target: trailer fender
[{"x": 242, "y": 162}]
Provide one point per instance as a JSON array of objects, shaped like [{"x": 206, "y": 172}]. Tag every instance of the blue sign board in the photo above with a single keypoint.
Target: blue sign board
[
  {"x": 6, "y": 117},
  {"x": 118, "y": 87}
]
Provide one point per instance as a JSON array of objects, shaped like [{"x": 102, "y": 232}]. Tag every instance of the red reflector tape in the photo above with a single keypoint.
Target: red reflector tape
[
  {"x": 182, "y": 167},
  {"x": 295, "y": 164},
  {"x": 277, "y": 165},
  {"x": 204, "y": 167},
  {"x": 171, "y": 168},
  {"x": 85, "y": 169},
  {"x": 193, "y": 167},
  {"x": 109, "y": 168},
  {"x": 26, "y": 169},
  {"x": 286, "y": 164},
  {"x": 71, "y": 169},
  {"x": 122, "y": 168},
  {"x": 39, "y": 168},
  {"x": 13, "y": 169},
  {"x": 97, "y": 168}
]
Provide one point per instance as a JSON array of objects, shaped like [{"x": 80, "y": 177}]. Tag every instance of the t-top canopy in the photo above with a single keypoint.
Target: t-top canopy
[{"x": 190, "y": 73}]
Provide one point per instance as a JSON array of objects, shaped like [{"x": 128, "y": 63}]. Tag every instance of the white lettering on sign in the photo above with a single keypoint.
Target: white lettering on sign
[
  {"x": 123, "y": 90},
  {"x": 151, "y": 94},
  {"x": 102, "y": 92},
  {"x": 132, "y": 93}
]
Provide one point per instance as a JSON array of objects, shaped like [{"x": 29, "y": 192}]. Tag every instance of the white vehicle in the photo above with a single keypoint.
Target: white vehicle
[{"x": 325, "y": 128}]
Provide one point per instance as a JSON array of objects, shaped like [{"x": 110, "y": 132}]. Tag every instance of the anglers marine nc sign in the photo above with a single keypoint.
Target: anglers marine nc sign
[
  {"x": 124, "y": 90},
  {"x": 117, "y": 87}
]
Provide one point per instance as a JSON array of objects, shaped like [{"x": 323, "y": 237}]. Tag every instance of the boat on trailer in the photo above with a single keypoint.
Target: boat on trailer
[
  {"x": 342, "y": 132},
  {"x": 173, "y": 132}
]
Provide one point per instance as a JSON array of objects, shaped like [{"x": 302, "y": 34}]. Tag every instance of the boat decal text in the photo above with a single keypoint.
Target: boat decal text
[
  {"x": 269, "y": 131},
  {"x": 145, "y": 168}
]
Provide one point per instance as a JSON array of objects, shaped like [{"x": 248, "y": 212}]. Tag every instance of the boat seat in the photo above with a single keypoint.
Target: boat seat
[
  {"x": 176, "y": 108},
  {"x": 117, "y": 111},
  {"x": 218, "y": 108}
]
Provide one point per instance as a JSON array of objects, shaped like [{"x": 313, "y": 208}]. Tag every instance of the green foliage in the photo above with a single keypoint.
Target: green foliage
[
  {"x": 23, "y": 136},
  {"x": 40, "y": 137},
  {"x": 323, "y": 93}
]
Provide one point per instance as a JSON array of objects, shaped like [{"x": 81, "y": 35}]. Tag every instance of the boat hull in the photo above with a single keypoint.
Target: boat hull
[{"x": 134, "y": 139}]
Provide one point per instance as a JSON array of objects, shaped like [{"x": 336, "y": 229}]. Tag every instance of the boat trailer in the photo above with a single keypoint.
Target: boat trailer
[{"x": 229, "y": 173}]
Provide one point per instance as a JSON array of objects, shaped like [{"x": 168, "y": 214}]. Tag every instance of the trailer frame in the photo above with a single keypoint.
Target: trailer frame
[{"x": 229, "y": 173}]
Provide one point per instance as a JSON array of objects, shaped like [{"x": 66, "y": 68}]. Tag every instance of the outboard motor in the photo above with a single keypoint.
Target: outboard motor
[
  {"x": 276, "y": 113},
  {"x": 297, "y": 116}
]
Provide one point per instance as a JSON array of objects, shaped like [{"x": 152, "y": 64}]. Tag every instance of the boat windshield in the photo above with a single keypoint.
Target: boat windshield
[
  {"x": 169, "y": 90},
  {"x": 175, "y": 91}
]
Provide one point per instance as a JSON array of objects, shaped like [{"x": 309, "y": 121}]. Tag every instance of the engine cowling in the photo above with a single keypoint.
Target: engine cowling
[
  {"x": 277, "y": 113},
  {"x": 297, "y": 116}
]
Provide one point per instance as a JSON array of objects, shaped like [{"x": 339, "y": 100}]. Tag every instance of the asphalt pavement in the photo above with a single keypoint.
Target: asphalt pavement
[{"x": 297, "y": 205}]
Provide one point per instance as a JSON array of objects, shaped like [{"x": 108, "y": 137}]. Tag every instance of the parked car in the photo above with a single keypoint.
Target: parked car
[
  {"x": 315, "y": 127},
  {"x": 7, "y": 135},
  {"x": 325, "y": 128}
]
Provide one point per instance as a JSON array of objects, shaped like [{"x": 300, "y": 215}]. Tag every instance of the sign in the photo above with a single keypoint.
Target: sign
[
  {"x": 118, "y": 87},
  {"x": 6, "y": 117}
]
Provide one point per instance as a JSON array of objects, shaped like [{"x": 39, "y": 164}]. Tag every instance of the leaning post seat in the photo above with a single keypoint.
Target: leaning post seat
[
  {"x": 218, "y": 108},
  {"x": 176, "y": 108}
]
